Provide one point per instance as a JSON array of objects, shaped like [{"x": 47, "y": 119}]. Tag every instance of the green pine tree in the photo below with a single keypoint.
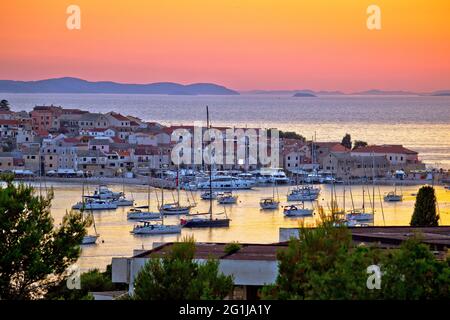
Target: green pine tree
[
  {"x": 34, "y": 255},
  {"x": 425, "y": 209}
]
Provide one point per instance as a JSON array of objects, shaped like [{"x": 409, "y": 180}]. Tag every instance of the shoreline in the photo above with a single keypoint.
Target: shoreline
[{"x": 156, "y": 182}]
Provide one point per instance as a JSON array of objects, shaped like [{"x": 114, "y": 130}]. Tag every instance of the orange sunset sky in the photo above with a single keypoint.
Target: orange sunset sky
[{"x": 242, "y": 44}]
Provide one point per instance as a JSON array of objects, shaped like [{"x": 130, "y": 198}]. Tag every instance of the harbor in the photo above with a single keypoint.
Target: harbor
[{"x": 248, "y": 223}]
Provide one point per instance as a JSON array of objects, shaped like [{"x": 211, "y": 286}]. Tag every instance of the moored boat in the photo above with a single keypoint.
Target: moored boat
[{"x": 297, "y": 211}]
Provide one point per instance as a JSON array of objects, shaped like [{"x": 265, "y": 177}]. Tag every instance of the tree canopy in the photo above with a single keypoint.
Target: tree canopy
[
  {"x": 291, "y": 135},
  {"x": 34, "y": 254},
  {"x": 347, "y": 141},
  {"x": 325, "y": 264},
  {"x": 358, "y": 144},
  {"x": 424, "y": 214},
  {"x": 176, "y": 276},
  {"x": 4, "y": 105}
]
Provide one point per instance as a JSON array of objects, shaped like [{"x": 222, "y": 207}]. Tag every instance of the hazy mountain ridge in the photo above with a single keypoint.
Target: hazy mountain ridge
[{"x": 75, "y": 85}]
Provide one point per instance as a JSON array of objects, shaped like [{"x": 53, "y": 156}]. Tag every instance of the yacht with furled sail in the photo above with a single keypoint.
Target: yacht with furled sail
[
  {"x": 144, "y": 212},
  {"x": 270, "y": 203},
  {"x": 298, "y": 210},
  {"x": 206, "y": 220},
  {"x": 393, "y": 196},
  {"x": 227, "y": 198},
  {"x": 155, "y": 227},
  {"x": 362, "y": 215},
  {"x": 174, "y": 208},
  {"x": 206, "y": 195},
  {"x": 303, "y": 193},
  {"x": 158, "y": 226},
  {"x": 89, "y": 238},
  {"x": 94, "y": 204}
]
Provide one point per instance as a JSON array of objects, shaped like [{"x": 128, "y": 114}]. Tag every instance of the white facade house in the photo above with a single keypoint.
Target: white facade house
[{"x": 143, "y": 139}]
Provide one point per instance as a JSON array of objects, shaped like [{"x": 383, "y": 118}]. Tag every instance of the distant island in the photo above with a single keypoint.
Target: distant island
[
  {"x": 304, "y": 95},
  {"x": 75, "y": 85},
  {"x": 382, "y": 92},
  {"x": 443, "y": 93}
]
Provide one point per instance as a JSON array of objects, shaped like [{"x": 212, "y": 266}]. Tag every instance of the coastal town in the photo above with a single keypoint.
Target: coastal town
[{"x": 62, "y": 142}]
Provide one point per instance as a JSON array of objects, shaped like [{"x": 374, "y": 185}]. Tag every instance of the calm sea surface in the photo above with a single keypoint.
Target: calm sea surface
[
  {"x": 248, "y": 223},
  {"x": 420, "y": 123}
]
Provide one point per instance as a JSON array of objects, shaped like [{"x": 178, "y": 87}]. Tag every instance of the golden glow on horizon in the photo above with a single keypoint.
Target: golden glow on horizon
[{"x": 243, "y": 44}]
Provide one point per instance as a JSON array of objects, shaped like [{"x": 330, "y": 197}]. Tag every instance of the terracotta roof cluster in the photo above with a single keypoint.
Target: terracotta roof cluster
[
  {"x": 119, "y": 117},
  {"x": 386, "y": 148},
  {"x": 8, "y": 122}
]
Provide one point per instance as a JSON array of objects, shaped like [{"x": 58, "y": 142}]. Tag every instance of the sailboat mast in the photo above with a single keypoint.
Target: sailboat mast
[
  {"x": 210, "y": 167},
  {"x": 178, "y": 185},
  {"x": 148, "y": 191},
  {"x": 373, "y": 184}
]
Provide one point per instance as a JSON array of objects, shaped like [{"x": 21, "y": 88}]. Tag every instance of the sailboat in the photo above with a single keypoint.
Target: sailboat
[
  {"x": 392, "y": 196},
  {"x": 361, "y": 215},
  {"x": 156, "y": 227},
  {"x": 174, "y": 208},
  {"x": 303, "y": 193},
  {"x": 89, "y": 238},
  {"x": 270, "y": 203},
  {"x": 139, "y": 213},
  {"x": 297, "y": 211},
  {"x": 199, "y": 220},
  {"x": 94, "y": 203},
  {"x": 206, "y": 195},
  {"x": 227, "y": 198}
]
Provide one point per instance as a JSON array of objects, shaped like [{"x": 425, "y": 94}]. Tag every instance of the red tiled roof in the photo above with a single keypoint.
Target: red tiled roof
[
  {"x": 71, "y": 140},
  {"x": 339, "y": 148},
  {"x": 123, "y": 153},
  {"x": 387, "y": 148},
  {"x": 9, "y": 122},
  {"x": 326, "y": 144},
  {"x": 117, "y": 140},
  {"x": 119, "y": 117}
]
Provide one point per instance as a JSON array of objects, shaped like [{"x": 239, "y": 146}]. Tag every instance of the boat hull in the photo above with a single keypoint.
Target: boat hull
[
  {"x": 143, "y": 215},
  {"x": 299, "y": 213},
  {"x": 302, "y": 197},
  {"x": 206, "y": 223},
  {"x": 360, "y": 217},
  {"x": 270, "y": 206},
  {"x": 157, "y": 230},
  {"x": 89, "y": 239}
]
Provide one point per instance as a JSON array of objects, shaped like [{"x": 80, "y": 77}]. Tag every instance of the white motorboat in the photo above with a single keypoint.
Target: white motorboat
[
  {"x": 269, "y": 204},
  {"x": 304, "y": 193},
  {"x": 138, "y": 214},
  {"x": 123, "y": 202},
  {"x": 155, "y": 228},
  {"x": 360, "y": 216},
  {"x": 95, "y": 205},
  {"x": 227, "y": 198},
  {"x": 272, "y": 175},
  {"x": 207, "y": 195},
  {"x": 297, "y": 211},
  {"x": 103, "y": 192},
  {"x": 89, "y": 239},
  {"x": 226, "y": 183}
]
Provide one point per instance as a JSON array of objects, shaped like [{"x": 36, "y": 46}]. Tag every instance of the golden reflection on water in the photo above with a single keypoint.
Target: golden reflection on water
[{"x": 248, "y": 222}]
